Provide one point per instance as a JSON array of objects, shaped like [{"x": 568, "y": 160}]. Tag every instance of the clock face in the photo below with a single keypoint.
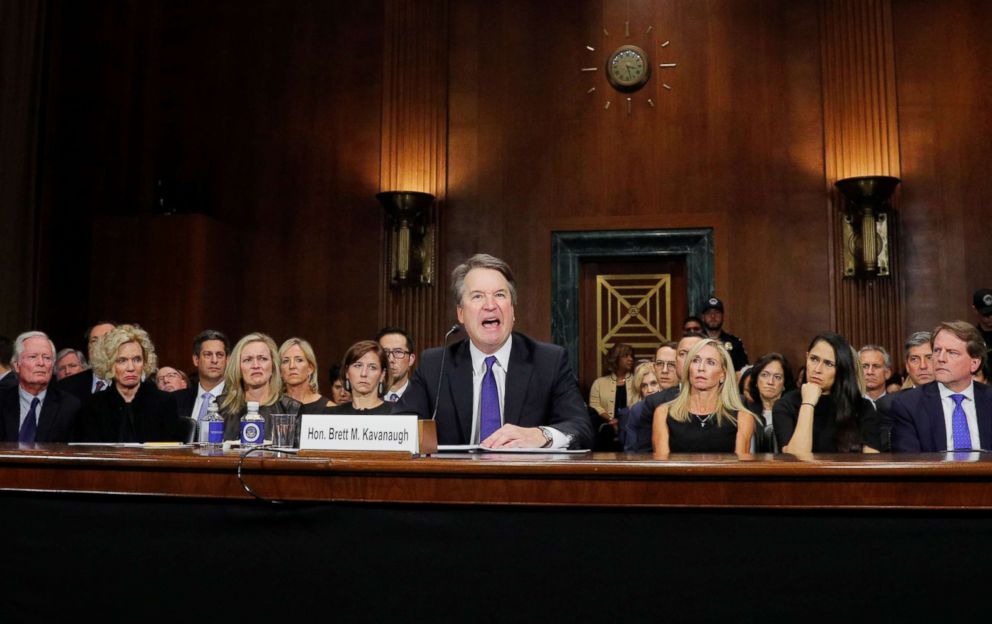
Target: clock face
[{"x": 628, "y": 68}]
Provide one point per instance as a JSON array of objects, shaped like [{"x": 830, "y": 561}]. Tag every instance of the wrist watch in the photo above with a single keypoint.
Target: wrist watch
[{"x": 548, "y": 439}]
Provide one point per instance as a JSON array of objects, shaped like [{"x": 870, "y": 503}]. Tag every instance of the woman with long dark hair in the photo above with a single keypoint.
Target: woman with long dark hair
[{"x": 829, "y": 413}]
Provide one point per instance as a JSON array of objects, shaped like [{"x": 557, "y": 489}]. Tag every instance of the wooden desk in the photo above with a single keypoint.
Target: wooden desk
[
  {"x": 936, "y": 481},
  {"x": 138, "y": 533}
]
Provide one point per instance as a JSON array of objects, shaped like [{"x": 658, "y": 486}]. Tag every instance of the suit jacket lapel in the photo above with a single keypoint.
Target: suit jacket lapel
[
  {"x": 49, "y": 412},
  {"x": 460, "y": 389},
  {"x": 983, "y": 412},
  {"x": 517, "y": 380},
  {"x": 12, "y": 414},
  {"x": 932, "y": 406}
]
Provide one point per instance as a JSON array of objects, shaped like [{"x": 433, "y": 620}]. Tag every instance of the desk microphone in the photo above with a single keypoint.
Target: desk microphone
[{"x": 440, "y": 375}]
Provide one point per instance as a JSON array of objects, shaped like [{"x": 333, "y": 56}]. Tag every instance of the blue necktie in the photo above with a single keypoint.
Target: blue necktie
[
  {"x": 204, "y": 406},
  {"x": 959, "y": 424},
  {"x": 30, "y": 425},
  {"x": 489, "y": 402}
]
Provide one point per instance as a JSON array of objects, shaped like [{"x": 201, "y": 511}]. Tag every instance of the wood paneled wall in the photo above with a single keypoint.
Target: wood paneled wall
[
  {"x": 736, "y": 145},
  {"x": 267, "y": 116},
  {"x": 22, "y": 62},
  {"x": 281, "y": 120},
  {"x": 861, "y": 137},
  {"x": 414, "y": 148},
  {"x": 942, "y": 57}
]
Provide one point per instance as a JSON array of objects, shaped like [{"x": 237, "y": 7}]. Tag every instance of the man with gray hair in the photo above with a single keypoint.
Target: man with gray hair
[
  {"x": 919, "y": 371},
  {"x": 876, "y": 368},
  {"x": 497, "y": 388},
  {"x": 68, "y": 362},
  {"x": 35, "y": 411}
]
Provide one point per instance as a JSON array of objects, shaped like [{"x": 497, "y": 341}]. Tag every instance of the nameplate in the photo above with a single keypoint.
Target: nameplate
[{"x": 322, "y": 432}]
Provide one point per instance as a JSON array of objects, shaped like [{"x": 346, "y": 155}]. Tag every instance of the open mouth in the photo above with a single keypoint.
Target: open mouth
[{"x": 491, "y": 323}]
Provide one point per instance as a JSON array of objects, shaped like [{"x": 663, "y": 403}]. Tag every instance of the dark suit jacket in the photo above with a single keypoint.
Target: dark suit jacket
[
  {"x": 78, "y": 385},
  {"x": 918, "y": 419},
  {"x": 9, "y": 381},
  {"x": 541, "y": 389},
  {"x": 56, "y": 422},
  {"x": 640, "y": 424},
  {"x": 186, "y": 399},
  {"x": 884, "y": 408},
  {"x": 154, "y": 411}
]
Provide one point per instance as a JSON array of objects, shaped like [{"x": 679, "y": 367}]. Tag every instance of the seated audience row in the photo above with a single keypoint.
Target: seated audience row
[{"x": 688, "y": 399}]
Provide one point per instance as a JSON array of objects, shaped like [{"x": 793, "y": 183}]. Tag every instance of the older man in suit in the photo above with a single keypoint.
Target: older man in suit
[
  {"x": 497, "y": 388},
  {"x": 952, "y": 413},
  {"x": 34, "y": 411}
]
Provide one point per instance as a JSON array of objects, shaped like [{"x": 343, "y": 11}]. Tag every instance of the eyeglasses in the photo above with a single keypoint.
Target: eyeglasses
[
  {"x": 665, "y": 364},
  {"x": 396, "y": 354}
]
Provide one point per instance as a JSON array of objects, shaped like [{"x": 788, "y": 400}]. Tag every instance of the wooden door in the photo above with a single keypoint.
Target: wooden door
[{"x": 637, "y": 302}]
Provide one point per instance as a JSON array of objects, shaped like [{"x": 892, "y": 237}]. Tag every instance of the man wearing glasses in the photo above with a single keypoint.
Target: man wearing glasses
[
  {"x": 398, "y": 346},
  {"x": 665, "y": 370}
]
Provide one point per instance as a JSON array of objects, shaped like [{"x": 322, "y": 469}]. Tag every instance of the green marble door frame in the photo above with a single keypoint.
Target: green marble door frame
[{"x": 568, "y": 249}]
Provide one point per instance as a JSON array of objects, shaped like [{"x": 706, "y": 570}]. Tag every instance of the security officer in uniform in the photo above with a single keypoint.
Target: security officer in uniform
[
  {"x": 982, "y": 302},
  {"x": 713, "y": 319}
]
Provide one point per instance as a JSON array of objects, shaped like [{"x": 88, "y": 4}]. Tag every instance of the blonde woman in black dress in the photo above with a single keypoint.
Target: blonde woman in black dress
[{"x": 708, "y": 415}]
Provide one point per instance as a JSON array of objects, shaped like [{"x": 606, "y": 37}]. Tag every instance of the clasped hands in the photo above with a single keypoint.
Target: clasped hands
[{"x": 512, "y": 436}]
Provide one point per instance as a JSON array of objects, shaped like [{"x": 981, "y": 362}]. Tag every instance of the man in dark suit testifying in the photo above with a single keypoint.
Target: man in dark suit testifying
[
  {"x": 497, "y": 388},
  {"x": 954, "y": 412},
  {"x": 33, "y": 410}
]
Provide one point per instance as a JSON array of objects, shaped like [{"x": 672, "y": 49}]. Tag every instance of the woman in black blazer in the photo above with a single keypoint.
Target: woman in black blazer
[{"x": 132, "y": 408}]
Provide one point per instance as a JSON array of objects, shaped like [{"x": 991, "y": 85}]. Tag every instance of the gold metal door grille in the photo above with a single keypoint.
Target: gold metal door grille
[{"x": 633, "y": 309}]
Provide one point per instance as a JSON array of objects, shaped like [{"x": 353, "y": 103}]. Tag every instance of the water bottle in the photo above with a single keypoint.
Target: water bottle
[
  {"x": 252, "y": 426},
  {"x": 202, "y": 426},
  {"x": 214, "y": 424}
]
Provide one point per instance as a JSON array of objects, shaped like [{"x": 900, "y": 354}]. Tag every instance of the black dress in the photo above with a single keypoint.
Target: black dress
[
  {"x": 320, "y": 406},
  {"x": 347, "y": 408},
  {"x": 785, "y": 414},
  {"x": 701, "y": 435}
]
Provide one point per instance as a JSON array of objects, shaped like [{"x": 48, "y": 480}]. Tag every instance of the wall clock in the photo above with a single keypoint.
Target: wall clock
[{"x": 628, "y": 69}]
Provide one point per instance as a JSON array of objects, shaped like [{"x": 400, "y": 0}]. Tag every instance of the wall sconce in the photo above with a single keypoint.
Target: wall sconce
[
  {"x": 411, "y": 258},
  {"x": 866, "y": 224}
]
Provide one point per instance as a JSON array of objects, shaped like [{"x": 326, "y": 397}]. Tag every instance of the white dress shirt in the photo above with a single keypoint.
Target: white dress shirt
[
  {"x": 947, "y": 403},
  {"x": 500, "y": 369},
  {"x": 398, "y": 393}
]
